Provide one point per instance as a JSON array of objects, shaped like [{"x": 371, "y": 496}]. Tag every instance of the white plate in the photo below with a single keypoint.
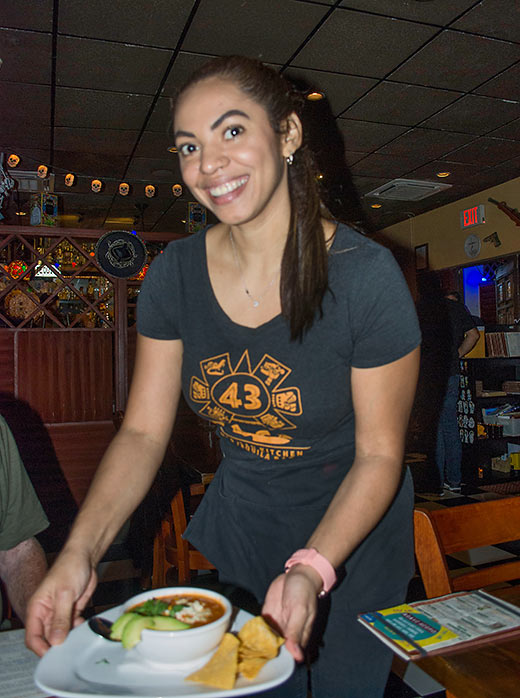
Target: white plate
[{"x": 88, "y": 665}]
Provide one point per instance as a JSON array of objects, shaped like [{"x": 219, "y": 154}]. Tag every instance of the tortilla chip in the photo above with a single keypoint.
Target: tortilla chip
[
  {"x": 250, "y": 666},
  {"x": 258, "y": 637},
  {"x": 221, "y": 670}
]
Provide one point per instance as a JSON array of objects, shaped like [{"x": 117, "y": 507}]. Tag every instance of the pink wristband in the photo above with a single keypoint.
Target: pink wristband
[{"x": 311, "y": 557}]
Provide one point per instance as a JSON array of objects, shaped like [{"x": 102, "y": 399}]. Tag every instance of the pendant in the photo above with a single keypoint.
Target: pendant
[{"x": 256, "y": 304}]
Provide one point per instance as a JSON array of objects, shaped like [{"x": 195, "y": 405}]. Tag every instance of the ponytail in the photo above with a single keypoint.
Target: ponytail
[{"x": 304, "y": 273}]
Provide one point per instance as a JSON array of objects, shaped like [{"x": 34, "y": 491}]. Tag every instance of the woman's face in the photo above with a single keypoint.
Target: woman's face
[{"x": 231, "y": 159}]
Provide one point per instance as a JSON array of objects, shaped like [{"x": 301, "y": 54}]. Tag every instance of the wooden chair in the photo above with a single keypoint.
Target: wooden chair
[
  {"x": 170, "y": 549},
  {"x": 440, "y": 532},
  {"x": 167, "y": 520}
]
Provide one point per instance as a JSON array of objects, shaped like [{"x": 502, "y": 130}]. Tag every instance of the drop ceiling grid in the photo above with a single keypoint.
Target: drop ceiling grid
[{"x": 412, "y": 93}]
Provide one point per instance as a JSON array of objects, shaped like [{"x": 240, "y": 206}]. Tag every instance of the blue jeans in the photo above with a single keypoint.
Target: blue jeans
[{"x": 448, "y": 451}]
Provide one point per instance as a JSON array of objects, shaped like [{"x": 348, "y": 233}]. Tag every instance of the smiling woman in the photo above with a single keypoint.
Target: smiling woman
[
  {"x": 296, "y": 336},
  {"x": 243, "y": 155}
]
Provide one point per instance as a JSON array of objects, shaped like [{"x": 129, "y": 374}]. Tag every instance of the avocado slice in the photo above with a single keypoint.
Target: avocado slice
[
  {"x": 168, "y": 623},
  {"x": 131, "y": 634},
  {"x": 118, "y": 625}
]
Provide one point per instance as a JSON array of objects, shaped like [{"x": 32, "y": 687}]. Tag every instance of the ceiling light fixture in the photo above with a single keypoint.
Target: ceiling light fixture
[
  {"x": 171, "y": 149},
  {"x": 376, "y": 205},
  {"x": 443, "y": 174},
  {"x": 21, "y": 213},
  {"x": 315, "y": 96}
]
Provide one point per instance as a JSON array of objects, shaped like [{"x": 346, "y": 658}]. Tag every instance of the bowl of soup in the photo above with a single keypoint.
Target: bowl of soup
[{"x": 199, "y": 617}]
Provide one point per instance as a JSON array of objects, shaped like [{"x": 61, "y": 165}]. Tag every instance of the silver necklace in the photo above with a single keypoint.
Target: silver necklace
[{"x": 255, "y": 302}]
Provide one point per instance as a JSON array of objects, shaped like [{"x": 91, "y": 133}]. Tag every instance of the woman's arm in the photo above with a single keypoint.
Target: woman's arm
[
  {"x": 125, "y": 474},
  {"x": 382, "y": 399}
]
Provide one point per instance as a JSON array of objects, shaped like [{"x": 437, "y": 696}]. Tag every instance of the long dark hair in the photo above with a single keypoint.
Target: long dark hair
[{"x": 303, "y": 280}]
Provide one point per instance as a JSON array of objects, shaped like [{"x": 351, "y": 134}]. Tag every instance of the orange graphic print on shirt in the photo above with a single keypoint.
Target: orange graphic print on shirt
[{"x": 251, "y": 405}]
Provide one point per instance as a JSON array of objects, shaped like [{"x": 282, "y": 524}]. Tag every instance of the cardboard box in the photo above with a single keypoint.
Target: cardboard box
[
  {"x": 511, "y": 386},
  {"x": 501, "y": 464}
]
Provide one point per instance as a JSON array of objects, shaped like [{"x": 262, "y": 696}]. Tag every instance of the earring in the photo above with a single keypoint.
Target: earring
[{"x": 290, "y": 159}]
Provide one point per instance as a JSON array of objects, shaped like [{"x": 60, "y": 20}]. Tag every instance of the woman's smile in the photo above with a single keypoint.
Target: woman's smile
[
  {"x": 228, "y": 191},
  {"x": 231, "y": 158}
]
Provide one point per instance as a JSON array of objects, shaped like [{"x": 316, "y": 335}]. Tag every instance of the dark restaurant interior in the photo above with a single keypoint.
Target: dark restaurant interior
[{"x": 413, "y": 113}]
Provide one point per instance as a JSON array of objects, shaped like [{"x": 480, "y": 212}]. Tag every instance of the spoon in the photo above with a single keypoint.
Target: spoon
[{"x": 101, "y": 626}]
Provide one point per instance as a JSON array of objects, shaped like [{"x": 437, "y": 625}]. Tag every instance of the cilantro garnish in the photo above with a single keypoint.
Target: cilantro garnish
[{"x": 153, "y": 607}]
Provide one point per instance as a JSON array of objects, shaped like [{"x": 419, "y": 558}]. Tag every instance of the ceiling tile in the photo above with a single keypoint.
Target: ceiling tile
[
  {"x": 270, "y": 30},
  {"x": 362, "y": 44},
  {"x": 142, "y": 168},
  {"x": 505, "y": 85},
  {"x": 89, "y": 164},
  {"x": 27, "y": 14},
  {"x": 511, "y": 130},
  {"x": 340, "y": 90},
  {"x": 496, "y": 175},
  {"x": 486, "y": 151},
  {"x": 94, "y": 109},
  {"x": 459, "y": 172},
  {"x": 18, "y": 135},
  {"x": 474, "y": 114},
  {"x": 364, "y": 136},
  {"x": 131, "y": 22},
  {"x": 390, "y": 166},
  {"x": 352, "y": 157},
  {"x": 440, "y": 12},
  {"x": 161, "y": 117},
  {"x": 366, "y": 184},
  {"x": 155, "y": 144},
  {"x": 432, "y": 144},
  {"x": 101, "y": 65},
  {"x": 398, "y": 103},
  {"x": 457, "y": 61},
  {"x": 497, "y": 18},
  {"x": 95, "y": 140},
  {"x": 28, "y": 104},
  {"x": 185, "y": 64},
  {"x": 26, "y": 56}
]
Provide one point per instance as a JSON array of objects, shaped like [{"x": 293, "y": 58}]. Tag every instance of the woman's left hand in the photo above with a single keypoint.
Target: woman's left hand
[{"x": 291, "y": 603}]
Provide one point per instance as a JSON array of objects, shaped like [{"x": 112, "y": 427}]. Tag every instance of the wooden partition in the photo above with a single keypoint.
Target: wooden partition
[{"x": 61, "y": 380}]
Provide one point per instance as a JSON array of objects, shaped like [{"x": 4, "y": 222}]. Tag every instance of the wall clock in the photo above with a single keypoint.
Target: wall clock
[{"x": 472, "y": 246}]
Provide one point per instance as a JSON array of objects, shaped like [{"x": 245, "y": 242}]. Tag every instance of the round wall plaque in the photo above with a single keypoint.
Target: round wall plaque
[{"x": 472, "y": 246}]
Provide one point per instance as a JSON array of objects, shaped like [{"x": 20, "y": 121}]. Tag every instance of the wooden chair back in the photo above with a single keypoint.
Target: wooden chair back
[
  {"x": 170, "y": 549},
  {"x": 440, "y": 532}
]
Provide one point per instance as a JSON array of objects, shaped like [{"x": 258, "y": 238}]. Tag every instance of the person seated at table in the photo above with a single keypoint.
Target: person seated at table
[{"x": 22, "y": 560}]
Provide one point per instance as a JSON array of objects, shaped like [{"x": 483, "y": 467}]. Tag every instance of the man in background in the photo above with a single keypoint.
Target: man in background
[
  {"x": 449, "y": 333},
  {"x": 22, "y": 560}
]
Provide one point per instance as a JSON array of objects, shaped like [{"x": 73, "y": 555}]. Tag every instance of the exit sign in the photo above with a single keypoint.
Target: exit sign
[{"x": 472, "y": 216}]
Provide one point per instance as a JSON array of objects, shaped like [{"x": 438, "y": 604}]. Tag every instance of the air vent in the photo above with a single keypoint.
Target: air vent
[
  {"x": 408, "y": 189},
  {"x": 30, "y": 182}
]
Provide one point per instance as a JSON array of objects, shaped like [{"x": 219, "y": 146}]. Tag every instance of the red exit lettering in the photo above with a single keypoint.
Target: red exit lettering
[{"x": 470, "y": 216}]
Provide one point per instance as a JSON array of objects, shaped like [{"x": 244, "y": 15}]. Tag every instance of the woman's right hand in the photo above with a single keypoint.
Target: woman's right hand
[{"x": 57, "y": 604}]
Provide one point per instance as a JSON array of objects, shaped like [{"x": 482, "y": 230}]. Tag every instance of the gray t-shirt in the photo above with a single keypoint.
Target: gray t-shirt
[
  {"x": 21, "y": 514},
  {"x": 284, "y": 408}
]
